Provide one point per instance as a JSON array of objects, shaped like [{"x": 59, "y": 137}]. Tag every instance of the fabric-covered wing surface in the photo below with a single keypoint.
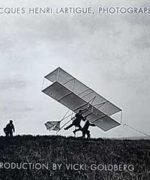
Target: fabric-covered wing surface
[
  {"x": 53, "y": 125},
  {"x": 106, "y": 123},
  {"x": 69, "y": 99},
  {"x": 82, "y": 91}
]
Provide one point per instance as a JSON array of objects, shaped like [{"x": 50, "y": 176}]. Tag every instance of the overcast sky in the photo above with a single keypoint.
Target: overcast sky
[{"x": 109, "y": 53}]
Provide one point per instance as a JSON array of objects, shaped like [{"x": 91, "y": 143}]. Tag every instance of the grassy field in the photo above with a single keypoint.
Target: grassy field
[{"x": 61, "y": 158}]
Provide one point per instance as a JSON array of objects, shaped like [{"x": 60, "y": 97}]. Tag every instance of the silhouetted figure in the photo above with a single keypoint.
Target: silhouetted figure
[
  {"x": 77, "y": 121},
  {"x": 9, "y": 129},
  {"x": 85, "y": 128}
]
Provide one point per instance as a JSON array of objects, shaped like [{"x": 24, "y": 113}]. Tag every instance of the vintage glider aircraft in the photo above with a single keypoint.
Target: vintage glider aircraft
[{"x": 76, "y": 96}]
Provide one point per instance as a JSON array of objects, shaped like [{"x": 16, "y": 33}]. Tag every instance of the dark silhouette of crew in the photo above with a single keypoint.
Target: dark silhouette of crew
[
  {"x": 76, "y": 122},
  {"x": 85, "y": 129},
  {"x": 9, "y": 129}
]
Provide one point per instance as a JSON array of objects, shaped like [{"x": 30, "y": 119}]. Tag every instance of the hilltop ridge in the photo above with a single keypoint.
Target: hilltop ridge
[{"x": 39, "y": 157}]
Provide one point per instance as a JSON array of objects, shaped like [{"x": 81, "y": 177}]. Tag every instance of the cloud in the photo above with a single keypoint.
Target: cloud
[
  {"x": 7, "y": 84},
  {"x": 142, "y": 42}
]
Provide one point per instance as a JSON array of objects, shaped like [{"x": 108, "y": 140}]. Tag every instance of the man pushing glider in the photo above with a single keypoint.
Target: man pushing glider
[
  {"x": 85, "y": 128},
  {"x": 77, "y": 121}
]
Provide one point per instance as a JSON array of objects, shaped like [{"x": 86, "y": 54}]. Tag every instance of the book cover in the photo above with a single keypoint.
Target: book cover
[{"x": 74, "y": 90}]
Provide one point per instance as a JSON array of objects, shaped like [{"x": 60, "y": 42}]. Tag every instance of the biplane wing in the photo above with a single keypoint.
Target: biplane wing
[{"x": 76, "y": 96}]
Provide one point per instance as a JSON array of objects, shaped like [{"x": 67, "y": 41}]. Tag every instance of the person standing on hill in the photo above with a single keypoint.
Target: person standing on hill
[{"x": 9, "y": 129}]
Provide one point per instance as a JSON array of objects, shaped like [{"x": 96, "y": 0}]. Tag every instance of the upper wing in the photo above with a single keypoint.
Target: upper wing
[{"x": 82, "y": 91}]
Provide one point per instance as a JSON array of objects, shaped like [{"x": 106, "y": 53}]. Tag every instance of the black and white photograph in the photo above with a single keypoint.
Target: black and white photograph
[{"x": 74, "y": 90}]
